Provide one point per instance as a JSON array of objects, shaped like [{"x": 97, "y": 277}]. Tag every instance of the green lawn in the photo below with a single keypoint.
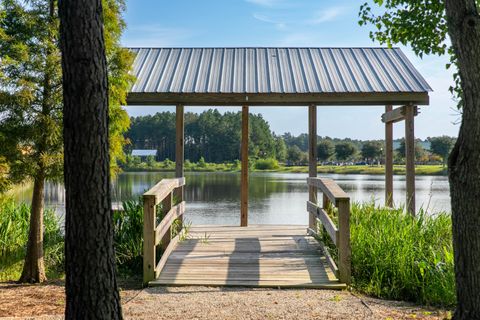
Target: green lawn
[
  {"x": 397, "y": 169},
  {"x": 233, "y": 167}
]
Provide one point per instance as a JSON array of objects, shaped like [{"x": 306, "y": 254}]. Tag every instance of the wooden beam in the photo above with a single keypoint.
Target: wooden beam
[
  {"x": 410, "y": 158},
  {"x": 312, "y": 159},
  {"x": 388, "y": 160},
  {"x": 278, "y": 99},
  {"x": 244, "y": 175},
  {"x": 397, "y": 114}
]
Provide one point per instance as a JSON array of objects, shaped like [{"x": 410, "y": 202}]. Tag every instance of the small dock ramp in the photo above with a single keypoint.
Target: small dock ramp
[
  {"x": 253, "y": 256},
  {"x": 279, "y": 256}
]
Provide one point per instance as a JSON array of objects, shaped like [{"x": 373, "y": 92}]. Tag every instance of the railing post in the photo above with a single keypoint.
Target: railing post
[
  {"x": 344, "y": 249},
  {"x": 149, "y": 223},
  {"x": 167, "y": 204}
]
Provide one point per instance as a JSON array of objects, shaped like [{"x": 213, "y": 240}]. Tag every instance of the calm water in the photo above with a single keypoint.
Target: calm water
[{"x": 274, "y": 198}]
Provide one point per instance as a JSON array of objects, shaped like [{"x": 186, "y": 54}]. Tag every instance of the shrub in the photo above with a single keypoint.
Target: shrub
[
  {"x": 201, "y": 162},
  {"x": 266, "y": 164},
  {"x": 396, "y": 256}
]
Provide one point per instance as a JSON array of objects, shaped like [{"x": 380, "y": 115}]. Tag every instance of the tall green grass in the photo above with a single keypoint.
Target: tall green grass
[
  {"x": 128, "y": 237},
  {"x": 14, "y": 226},
  {"x": 398, "y": 257}
]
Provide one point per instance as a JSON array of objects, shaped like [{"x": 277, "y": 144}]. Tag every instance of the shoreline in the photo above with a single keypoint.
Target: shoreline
[{"x": 421, "y": 170}]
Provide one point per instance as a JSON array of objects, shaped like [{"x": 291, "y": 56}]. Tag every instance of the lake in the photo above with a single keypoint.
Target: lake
[{"x": 274, "y": 198}]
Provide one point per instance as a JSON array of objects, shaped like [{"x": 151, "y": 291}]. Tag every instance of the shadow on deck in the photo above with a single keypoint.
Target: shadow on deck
[{"x": 254, "y": 256}]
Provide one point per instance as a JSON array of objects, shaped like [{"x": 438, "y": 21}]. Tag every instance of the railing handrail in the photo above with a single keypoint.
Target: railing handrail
[
  {"x": 330, "y": 188},
  {"x": 161, "y": 190},
  {"x": 161, "y": 233},
  {"x": 340, "y": 236}
]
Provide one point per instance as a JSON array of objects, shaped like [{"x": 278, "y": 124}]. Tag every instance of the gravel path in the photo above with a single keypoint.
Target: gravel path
[{"x": 219, "y": 303}]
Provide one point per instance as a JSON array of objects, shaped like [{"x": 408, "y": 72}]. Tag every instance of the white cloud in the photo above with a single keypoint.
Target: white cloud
[
  {"x": 327, "y": 15},
  {"x": 279, "y": 24},
  {"x": 153, "y": 35}
]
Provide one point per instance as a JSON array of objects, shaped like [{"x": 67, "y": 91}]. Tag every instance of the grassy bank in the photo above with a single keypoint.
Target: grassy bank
[
  {"x": 395, "y": 256},
  {"x": 14, "y": 224},
  {"x": 264, "y": 166}
]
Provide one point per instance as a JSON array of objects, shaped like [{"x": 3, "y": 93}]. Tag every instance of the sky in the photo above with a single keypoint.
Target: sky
[{"x": 291, "y": 23}]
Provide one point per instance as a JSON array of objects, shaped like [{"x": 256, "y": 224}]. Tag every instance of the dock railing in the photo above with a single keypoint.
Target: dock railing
[
  {"x": 165, "y": 197},
  {"x": 340, "y": 236}
]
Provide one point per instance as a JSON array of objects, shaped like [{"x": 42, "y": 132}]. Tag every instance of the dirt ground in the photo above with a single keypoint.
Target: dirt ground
[{"x": 48, "y": 302}]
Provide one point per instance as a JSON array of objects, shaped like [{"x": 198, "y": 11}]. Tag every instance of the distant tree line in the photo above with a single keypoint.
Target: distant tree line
[{"x": 215, "y": 136}]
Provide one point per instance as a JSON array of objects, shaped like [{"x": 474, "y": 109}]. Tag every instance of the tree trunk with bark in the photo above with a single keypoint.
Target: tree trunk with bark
[
  {"x": 464, "y": 162},
  {"x": 33, "y": 267},
  {"x": 91, "y": 285}
]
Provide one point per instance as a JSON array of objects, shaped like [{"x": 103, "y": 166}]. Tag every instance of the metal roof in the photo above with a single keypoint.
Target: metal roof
[
  {"x": 144, "y": 152},
  {"x": 274, "y": 71}
]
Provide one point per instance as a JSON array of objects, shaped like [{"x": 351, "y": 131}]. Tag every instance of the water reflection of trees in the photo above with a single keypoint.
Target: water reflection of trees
[{"x": 205, "y": 186}]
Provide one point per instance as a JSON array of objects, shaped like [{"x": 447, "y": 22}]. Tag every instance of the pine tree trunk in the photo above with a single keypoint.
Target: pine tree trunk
[
  {"x": 464, "y": 161},
  {"x": 33, "y": 267},
  {"x": 91, "y": 286}
]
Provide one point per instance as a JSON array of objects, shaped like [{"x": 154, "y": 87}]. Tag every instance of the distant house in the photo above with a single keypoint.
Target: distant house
[{"x": 144, "y": 153}]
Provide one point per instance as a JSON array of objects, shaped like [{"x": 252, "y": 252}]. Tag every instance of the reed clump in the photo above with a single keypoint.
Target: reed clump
[
  {"x": 14, "y": 226},
  {"x": 396, "y": 256}
]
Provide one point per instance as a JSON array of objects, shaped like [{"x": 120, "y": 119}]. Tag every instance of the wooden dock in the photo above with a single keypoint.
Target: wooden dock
[{"x": 279, "y": 256}]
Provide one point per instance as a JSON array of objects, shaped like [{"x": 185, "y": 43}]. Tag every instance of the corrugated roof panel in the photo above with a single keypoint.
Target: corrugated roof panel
[
  {"x": 321, "y": 71},
  {"x": 239, "y": 71},
  {"x": 286, "y": 71},
  {"x": 309, "y": 70},
  {"x": 274, "y": 70},
  {"x": 337, "y": 79},
  {"x": 382, "y": 74},
  {"x": 396, "y": 76},
  {"x": 262, "y": 71},
  {"x": 297, "y": 65},
  {"x": 178, "y": 78},
  {"x": 201, "y": 83},
  {"x": 250, "y": 71},
  {"x": 409, "y": 70},
  {"x": 213, "y": 79},
  {"x": 361, "y": 80},
  {"x": 368, "y": 71},
  {"x": 346, "y": 73},
  {"x": 191, "y": 70},
  {"x": 227, "y": 71},
  {"x": 143, "y": 70}
]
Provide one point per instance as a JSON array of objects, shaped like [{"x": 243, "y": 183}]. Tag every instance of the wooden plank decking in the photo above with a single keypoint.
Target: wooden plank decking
[{"x": 253, "y": 256}]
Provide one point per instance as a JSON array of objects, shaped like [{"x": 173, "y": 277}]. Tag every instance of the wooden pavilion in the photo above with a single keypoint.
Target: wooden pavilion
[{"x": 302, "y": 77}]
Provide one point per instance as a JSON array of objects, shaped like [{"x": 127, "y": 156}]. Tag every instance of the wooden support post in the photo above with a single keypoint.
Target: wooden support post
[
  {"x": 410, "y": 157},
  {"x": 180, "y": 153},
  {"x": 149, "y": 224},
  {"x": 244, "y": 176},
  {"x": 312, "y": 160},
  {"x": 388, "y": 160},
  {"x": 179, "y": 145},
  {"x": 344, "y": 248}
]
